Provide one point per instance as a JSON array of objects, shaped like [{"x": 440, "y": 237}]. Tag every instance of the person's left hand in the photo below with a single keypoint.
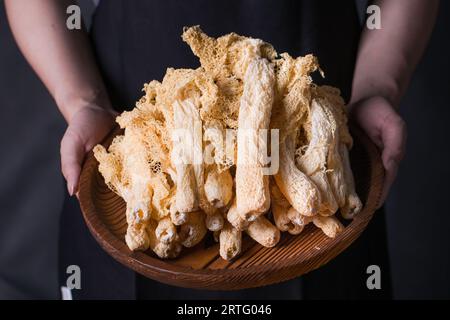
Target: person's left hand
[{"x": 381, "y": 122}]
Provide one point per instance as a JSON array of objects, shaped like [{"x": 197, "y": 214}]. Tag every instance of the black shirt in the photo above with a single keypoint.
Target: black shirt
[{"x": 137, "y": 40}]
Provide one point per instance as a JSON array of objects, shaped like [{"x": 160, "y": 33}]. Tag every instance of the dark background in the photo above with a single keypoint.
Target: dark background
[{"x": 31, "y": 187}]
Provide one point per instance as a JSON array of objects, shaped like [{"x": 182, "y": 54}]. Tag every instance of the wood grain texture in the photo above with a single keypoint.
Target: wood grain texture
[{"x": 201, "y": 266}]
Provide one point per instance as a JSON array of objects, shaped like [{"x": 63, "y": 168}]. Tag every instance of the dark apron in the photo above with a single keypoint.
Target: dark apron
[{"x": 135, "y": 41}]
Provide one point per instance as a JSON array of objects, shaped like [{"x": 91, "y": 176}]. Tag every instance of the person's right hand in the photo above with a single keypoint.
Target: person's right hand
[
  {"x": 87, "y": 127},
  {"x": 384, "y": 126}
]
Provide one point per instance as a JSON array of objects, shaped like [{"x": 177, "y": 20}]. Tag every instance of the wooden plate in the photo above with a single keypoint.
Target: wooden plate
[{"x": 201, "y": 266}]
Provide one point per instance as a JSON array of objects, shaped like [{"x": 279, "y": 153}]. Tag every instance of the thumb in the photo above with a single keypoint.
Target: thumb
[
  {"x": 72, "y": 156},
  {"x": 393, "y": 136}
]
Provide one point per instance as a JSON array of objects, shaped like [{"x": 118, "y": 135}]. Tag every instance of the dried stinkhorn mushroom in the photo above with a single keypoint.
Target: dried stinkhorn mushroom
[
  {"x": 138, "y": 191},
  {"x": 219, "y": 188},
  {"x": 193, "y": 230},
  {"x": 214, "y": 221},
  {"x": 254, "y": 116},
  {"x": 297, "y": 218},
  {"x": 352, "y": 204},
  {"x": 136, "y": 237},
  {"x": 296, "y": 186},
  {"x": 178, "y": 218},
  {"x": 264, "y": 232},
  {"x": 230, "y": 242},
  {"x": 186, "y": 119},
  {"x": 335, "y": 173},
  {"x": 329, "y": 225},
  {"x": 236, "y": 220},
  {"x": 169, "y": 249},
  {"x": 166, "y": 231},
  {"x": 314, "y": 161},
  {"x": 193, "y": 156},
  {"x": 339, "y": 170},
  {"x": 280, "y": 208}
]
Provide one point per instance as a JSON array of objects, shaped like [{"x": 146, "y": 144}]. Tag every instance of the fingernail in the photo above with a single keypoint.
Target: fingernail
[
  {"x": 389, "y": 164},
  {"x": 70, "y": 188},
  {"x": 380, "y": 204}
]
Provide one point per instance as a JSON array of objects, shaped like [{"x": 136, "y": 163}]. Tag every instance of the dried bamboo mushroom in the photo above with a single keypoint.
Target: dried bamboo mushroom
[
  {"x": 339, "y": 170},
  {"x": 264, "y": 232},
  {"x": 297, "y": 218},
  {"x": 192, "y": 156},
  {"x": 336, "y": 175},
  {"x": 280, "y": 207},
  {"x": 219, "y": 188},
  {"x": 329, "y": 225},
  {"x": 168, "y": 249},
  {"x": 280, "y": 210},
  {"x": 166, "y": 231},
  {"x": 230, "y": 242},
  {"x": 352, "y": 204},
  {"x": 314, "y": 161},
  {"x": 193, "y": 231},
  {"x": 254, "y": 116},
  {"x": 136, "y": 237},
  {"x": 296, "y": 186},
  {"x": 178, "y": 218},
  {"x": 236, "y": 219},
  {"x": 214, "y": 221},
  {"x": 186, "y": 121}
]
